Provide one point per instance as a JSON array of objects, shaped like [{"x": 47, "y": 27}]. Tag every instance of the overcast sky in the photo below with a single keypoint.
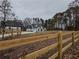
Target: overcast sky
[{"x": 38, "y": 8}]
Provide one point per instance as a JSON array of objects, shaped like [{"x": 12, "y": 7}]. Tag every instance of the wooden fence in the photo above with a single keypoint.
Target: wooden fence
[
  {"x": 11, "y": 30},
  {"x": 74, "y": 37}
]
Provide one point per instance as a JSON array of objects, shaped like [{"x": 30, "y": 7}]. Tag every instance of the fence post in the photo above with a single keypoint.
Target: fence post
[
  {"x": 17, "y": 30},
  {"x": 59, "y": 45},
  {"x": 73, "y": 38},
  {"x": 20, "y": 31},
  {"x": 12, "y": 32}
]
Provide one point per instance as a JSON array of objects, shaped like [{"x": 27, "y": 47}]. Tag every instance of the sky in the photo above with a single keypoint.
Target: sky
[{"x": 38, "y": 8}]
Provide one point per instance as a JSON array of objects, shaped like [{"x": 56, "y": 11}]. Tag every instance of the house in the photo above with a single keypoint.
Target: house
[
  {"x": 33, "y": 24},
  {"x": 35, "y": 28}
]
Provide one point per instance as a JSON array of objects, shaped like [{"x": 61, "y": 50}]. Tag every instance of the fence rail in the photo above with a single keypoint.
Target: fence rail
[
  {"x": 59, "y": 44},
  {"x": 11, "y": 30}
]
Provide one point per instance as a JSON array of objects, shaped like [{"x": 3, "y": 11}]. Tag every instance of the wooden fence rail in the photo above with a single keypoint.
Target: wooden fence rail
[
  {"x": 59, "y": 44},
  {"x": 11, "y": 30}
]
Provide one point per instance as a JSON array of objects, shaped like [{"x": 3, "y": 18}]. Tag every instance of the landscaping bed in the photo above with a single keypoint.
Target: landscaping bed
[{"x": 72, "y": 52}]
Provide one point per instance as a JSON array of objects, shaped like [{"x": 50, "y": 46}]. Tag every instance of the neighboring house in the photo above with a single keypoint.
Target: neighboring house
[
  {"x": 33, "y": 25},
  {"x": 35, "y": 28}
]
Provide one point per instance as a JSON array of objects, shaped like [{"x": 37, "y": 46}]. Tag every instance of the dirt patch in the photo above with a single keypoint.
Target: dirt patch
[{"x": 72, "y": 52}]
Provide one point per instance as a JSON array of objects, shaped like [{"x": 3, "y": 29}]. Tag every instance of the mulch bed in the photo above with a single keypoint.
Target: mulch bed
[{"x": 72, "y": 52}]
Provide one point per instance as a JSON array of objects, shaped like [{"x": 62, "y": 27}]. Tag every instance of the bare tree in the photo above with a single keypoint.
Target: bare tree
[{"x": 5, "y": 9}]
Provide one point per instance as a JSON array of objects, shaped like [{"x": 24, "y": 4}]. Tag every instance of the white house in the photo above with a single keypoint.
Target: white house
[{"x": 33, "y": 24}]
